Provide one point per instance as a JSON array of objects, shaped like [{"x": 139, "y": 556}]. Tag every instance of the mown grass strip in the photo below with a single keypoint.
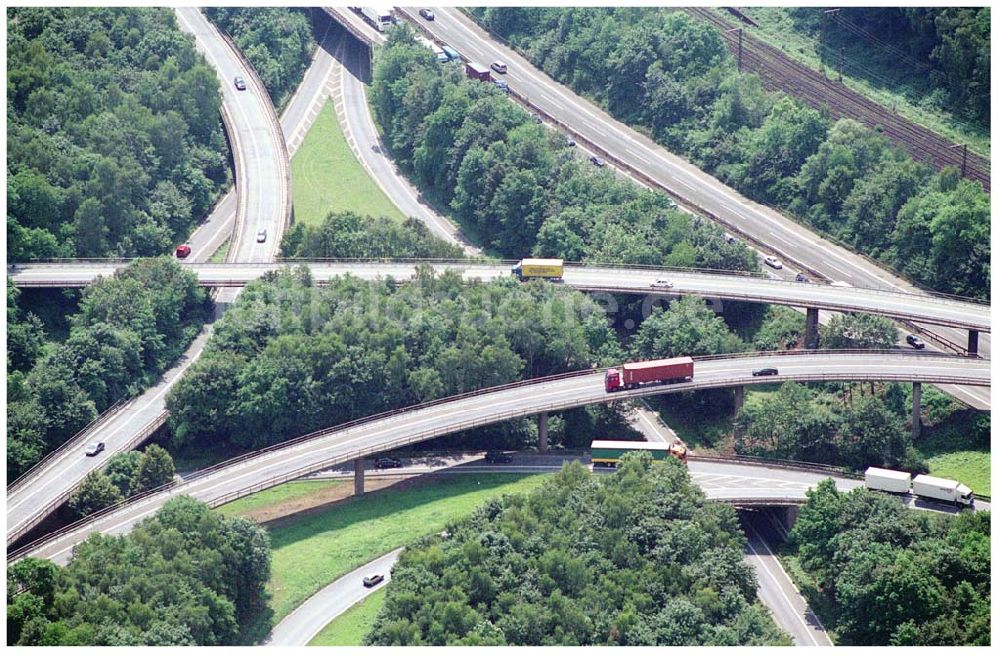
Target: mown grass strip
[{"x": 350, "y": 628}]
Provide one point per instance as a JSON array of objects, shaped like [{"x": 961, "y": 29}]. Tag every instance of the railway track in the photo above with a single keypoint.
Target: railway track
[{"x": 780, "y": 72}]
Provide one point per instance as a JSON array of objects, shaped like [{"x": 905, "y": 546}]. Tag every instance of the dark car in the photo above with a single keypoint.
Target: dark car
[
  {"x": 93, "y": 449},
  {"x": 427, "y": 14},
  {"x": 386, "y": 462},
  {"x": 498, "y": 457},
  {"x": 766, "y": 371},
  {"x": 502, "y": 86},
  {"x": 915, "y": 342},
  {"x": 801, "y": 278},
  {"x": 239, "y": 83},
  {"x": 372, "y": 580},
  {"x": 597, "y": 161},
  {"x": 570, "y": 141}
]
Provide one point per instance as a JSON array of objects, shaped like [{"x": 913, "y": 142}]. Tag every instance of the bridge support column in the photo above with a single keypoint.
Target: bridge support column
[
  {"x": 812, "y": 328},
  {"x": 543, "y": 432},
  {"x": 737, "y": 407},
  {"x": 359, "y": 477},
  {"x": 790, "y": 516},
  {"x": 973, "y": 343},
  {"x": 915, "y": 421}
]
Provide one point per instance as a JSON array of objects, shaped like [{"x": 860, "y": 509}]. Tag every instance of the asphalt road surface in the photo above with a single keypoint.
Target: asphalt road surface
[
  {"x": 338, "y": 446},
  {"x": 764, "y": 225},
  {"x": 607, "y": 279}
]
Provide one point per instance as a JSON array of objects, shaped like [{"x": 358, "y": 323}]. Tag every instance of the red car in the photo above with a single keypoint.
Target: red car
[{"x": 183, "y": 251}]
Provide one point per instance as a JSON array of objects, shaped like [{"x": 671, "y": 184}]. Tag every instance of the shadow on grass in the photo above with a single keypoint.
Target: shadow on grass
[{"x": 386, "y": 501}]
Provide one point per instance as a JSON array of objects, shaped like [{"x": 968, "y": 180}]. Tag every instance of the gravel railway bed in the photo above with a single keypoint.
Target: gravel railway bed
[{"x": 782, "y": 73}]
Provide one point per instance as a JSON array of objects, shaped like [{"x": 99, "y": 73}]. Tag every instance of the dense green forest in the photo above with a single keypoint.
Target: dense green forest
[
  {"x": 114, "y": 141},
  {"x": 941, "y": 52},
  {"x": 841, "y": 425},
  {"x": 290, "y": 357},
  {"x": 126, "y": 474},
  {"x": 188, "y": 576},
  {"x": 673, "y": 76},
  {"x": 277, "y": 41},
  {"x": 128, "y": 330},
  {"x": 350, "y": 235},
  {"x": 641, "y": 559},
  {"x": 898, "y": 577},
  {"x": 516, "y": 184}
]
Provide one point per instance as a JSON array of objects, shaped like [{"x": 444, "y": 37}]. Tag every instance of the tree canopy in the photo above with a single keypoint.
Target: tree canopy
[
  {"x": 277, "y": 41},
  {"x": 115, "y": 144},
  {"x": 668, "y": 73},
  {"x": 517, "y": 184},
  {"x": 188, "y": 576},
  {"x": 127, "y": 331},
  {"x": 289, "y": 357},
  {"x": 897, "y": 577},
  {"x": 640, "y": 559}
]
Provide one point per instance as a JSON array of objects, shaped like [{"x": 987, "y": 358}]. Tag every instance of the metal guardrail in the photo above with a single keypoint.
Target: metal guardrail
[
  {"x": 435, "y": 432},
  {"x": 680, "y": 198},
  {"x": 136, "y": 440},
  {"x": 60, "y": 451}
]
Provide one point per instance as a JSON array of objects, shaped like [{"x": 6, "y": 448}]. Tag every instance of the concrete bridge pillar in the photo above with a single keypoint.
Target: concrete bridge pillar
[
  {"x": 789, "y": 517},
  {"x": 737, "y": 407},
  {"x": 359, "y": 477},
  {"x": 812, "y": 328},
  {"x": 543, "y": 432},
  {"x": 915, "y": 421},
  {"x": 973, "y": 348}
]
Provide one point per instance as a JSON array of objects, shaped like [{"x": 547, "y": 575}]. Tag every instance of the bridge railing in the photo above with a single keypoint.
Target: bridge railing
[
  {"x": 438, "y": 431},
  {"x": 137, "y": 439}
]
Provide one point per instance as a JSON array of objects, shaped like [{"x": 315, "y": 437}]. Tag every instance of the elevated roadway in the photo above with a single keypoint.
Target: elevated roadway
[
  {"x": 639, "y": 157},
  {"x": 917, "y": 307},
  {"x": 327, "y": 448}
]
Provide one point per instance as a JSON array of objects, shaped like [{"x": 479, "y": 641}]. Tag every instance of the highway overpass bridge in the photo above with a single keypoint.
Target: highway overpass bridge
[
  {"x": 943, "y": 311},
  {"x": 353, "y": 441}
]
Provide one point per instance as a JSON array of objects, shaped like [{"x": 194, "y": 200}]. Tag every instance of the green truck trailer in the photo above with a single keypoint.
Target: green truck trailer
[{"x": 607, "y": 453}]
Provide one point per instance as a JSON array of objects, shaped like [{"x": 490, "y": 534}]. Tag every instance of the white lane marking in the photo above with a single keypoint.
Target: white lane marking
[
  {"x": 788, "y": 602},
  {"x": 580, "y": 105}
]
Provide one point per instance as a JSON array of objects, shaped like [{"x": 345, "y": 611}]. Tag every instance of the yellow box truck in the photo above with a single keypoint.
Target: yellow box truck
[{"x": 550, "y": 269}]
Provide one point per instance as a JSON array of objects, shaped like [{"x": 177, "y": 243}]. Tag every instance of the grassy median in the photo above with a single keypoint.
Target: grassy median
[
  {"x": 312, "y": 549},
  {"x": 327, "y": 176}
]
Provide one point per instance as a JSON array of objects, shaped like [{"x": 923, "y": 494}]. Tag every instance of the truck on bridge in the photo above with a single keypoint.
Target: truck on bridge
[
  {"x": 378, "y": 17},
  {"x": 933, "y": 488},
  {"x": 549, "y": 269},
  {"x": 610, "y": 452},
  {"x": 633, "y": 375}
]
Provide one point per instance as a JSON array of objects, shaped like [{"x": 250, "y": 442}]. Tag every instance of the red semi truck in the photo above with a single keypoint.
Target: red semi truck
[
  {"x": 633, "y": 375},
  {"x": 477, "y": 71}
]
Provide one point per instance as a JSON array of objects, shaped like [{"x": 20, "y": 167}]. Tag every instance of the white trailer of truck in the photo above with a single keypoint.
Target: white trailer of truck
[
  {"x": 889, "y": 481},
  {"x": 379, "y": 17},
  {"x": 944, "y": 490}
]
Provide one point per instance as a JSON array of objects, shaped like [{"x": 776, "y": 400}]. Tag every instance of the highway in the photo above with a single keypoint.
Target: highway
[
  {"x": 262, "y": 183},
  {"x": 648, "y": 162},
  {"x": 927, "y": 309},
  {"x": 338, "y": 445},
  {"x": 261, "y": 202},
  {"x": 719, "y": 479}
]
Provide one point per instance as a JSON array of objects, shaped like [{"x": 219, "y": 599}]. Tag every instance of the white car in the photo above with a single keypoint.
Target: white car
[
  {"x": 771, "y": 261},
  {"x": 662, "y": 283},
  {"x": 262, "y": 236}
]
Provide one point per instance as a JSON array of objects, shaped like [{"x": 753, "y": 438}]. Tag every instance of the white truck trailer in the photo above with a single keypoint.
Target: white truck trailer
[
  {"x": 945, "y": 490},
  {"x": 378, "y": 17},
  {"x": 890, "y": 481}
]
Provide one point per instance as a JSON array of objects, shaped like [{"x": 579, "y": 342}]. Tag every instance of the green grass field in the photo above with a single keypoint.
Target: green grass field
[
  {"x": 327, "y": 177},
  {"x": 350, "y": 628},
  {"x": 220, "y": 253},
  {"x": 778, "y": 29},
  {"x": 319, "y": 547},
  {"x": 955, "y": 449}
]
